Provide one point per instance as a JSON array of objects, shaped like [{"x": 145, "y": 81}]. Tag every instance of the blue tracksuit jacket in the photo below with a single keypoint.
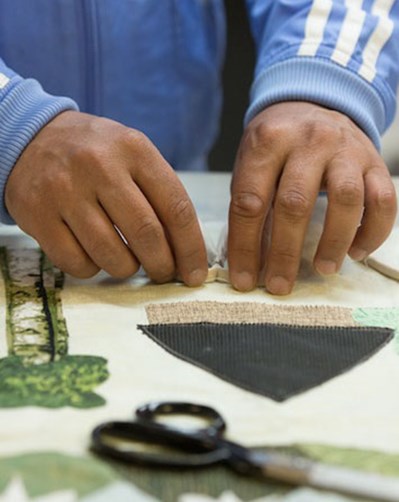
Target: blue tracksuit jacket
[{"x": 155, "y": 65}]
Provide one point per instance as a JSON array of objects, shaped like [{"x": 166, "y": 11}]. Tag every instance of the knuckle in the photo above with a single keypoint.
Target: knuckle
[
  {"x": 124, "y": 270},
  {"x": 338, "y": 133},
  {"x": 104, "y": 253},
  {"x": 264, "y": 135},
  {"x": 320, "y": 132},
  {"x": 148, "y": 231},
  {"x": 348, "y": 193},
  {"x": 134, "y": 139},
  {"x": 182, "y": 213},
  {"x": 91, "y": 160},
  {"x": 283, "y": 253},
  {"x": 386, "y": 202},
  {"x": 247, "y": 205},
  {"x": 293, "y": 204},
  {"x": 337, "y": 247},
  {"x": 112, "y": 258},
  {"x": 336, "y": 243},
  {"x": 81, "y": 154},
  {"x": 247, "y": 254},
  {"x": 266, "y": 132},
  {"x": 78, "y": 265},
  {"x": 190, "y": 254},
  {"x": 59, "y": 182}
]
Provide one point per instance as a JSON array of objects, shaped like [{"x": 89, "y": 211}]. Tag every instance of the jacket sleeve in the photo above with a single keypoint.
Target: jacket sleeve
[
  {"x": 342, "y": 54},
  {"x": 24, "y": 109}
]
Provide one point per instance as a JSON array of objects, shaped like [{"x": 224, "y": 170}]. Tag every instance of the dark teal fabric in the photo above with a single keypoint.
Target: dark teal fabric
[{"x": 274, "y": 360}]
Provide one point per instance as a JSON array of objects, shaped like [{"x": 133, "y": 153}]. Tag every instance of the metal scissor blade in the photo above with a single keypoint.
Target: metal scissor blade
[{"x": 301, "y": 471}]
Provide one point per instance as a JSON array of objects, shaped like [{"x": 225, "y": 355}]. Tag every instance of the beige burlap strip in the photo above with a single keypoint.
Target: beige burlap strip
[{"x": 248, "y": 312}]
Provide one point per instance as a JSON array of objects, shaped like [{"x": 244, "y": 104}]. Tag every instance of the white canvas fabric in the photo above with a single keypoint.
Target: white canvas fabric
[{"x": 358, "y": 409}]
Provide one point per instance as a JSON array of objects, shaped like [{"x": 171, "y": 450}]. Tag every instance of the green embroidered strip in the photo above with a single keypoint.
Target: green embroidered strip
[{"x": 39, "y": 371}]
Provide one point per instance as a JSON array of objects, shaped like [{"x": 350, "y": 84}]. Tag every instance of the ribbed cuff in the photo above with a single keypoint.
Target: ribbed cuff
[
  {"x": 322, "y": 82},
  {"x": 24, "y": 109}
]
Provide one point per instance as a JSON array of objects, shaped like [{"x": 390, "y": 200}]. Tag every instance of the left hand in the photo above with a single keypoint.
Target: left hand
[{"x": 288, "y": 153}]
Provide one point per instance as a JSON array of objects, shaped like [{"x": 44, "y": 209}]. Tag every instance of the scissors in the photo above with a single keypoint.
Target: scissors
[{"x": 148, "y": 440}]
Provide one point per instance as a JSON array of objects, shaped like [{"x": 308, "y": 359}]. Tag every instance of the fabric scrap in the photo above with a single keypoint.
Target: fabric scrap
[
  {"x": 274, "y": 360},
  {"x": 377, "y": 316},
  {"x": 248, "y": 312}
]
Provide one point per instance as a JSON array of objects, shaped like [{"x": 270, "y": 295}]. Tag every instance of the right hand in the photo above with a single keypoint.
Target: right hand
[{"x": 82, "y": 176}]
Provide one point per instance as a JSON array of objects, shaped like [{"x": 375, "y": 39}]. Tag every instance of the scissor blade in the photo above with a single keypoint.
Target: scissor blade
[{"x": 301, "y": 471}]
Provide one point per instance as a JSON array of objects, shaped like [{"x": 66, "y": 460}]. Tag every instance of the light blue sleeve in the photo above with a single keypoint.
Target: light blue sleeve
[
  {"x": 24, "y": 109},
  {"x": 342, "y": 54}
]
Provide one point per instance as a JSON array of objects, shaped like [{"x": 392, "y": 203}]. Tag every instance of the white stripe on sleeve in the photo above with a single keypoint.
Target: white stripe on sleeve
[
  {"x": 350, "y": 32},
  {"x": 378, "y": 39},
  {"x": 3, "y": 80},
  {"x": 315, "y": 25}
]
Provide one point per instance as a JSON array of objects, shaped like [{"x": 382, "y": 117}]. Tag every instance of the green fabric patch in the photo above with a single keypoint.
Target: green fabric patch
[
  {"x": 88, "y": 474},
  {"x": 39, "y": 371},
  {"x": 372, "y": 461},
  {"x": 168, "y": 484},
  {"x": 67, "y": 382},
  {"x": 43, "y": 473},
  {"x": 387, "y": 317}
]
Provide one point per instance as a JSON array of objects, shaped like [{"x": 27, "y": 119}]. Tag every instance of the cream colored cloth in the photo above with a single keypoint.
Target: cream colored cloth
[
  {"x": 358, "y": 409},
  {"x": 386, "y": 258}
]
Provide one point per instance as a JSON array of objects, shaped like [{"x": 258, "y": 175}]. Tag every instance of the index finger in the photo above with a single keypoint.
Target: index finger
[{"x": 170, "y": 201}]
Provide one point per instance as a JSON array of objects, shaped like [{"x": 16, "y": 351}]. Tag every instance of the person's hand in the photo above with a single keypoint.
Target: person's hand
[
  {"x": 288, "y": 153},
  {"x": 83, "y": 181}
]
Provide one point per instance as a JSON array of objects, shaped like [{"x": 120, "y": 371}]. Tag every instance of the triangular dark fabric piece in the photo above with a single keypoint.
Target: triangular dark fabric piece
[{"x": 275, "y": 360}]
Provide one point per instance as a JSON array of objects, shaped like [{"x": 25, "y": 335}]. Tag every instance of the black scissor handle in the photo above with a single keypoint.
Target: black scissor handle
[
  {"x": 150, "y": 412},
  {"x": 120, "y": 440}
]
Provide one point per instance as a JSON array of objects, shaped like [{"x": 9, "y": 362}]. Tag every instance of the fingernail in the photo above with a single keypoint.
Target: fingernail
[
  {"x": 243, "y": 281},
  {"x": 278, "y": 285},
  {"x": 326, "y": 267},
  {"x": 196, "y": 277},
  {"x": 357, "y": 254}
]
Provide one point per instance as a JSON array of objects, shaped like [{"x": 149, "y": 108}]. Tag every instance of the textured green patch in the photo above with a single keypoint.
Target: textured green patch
[
  {"x": 373, "y": 461},
  {"x": 167, "y": 484},
  {"x": 39, "y": 372},
  {"x": 88, "y": 474},
  {"x": 43, "y": 473},
  {"x": 383, "y": 317},
  {"x": 67, "y": 382}
]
